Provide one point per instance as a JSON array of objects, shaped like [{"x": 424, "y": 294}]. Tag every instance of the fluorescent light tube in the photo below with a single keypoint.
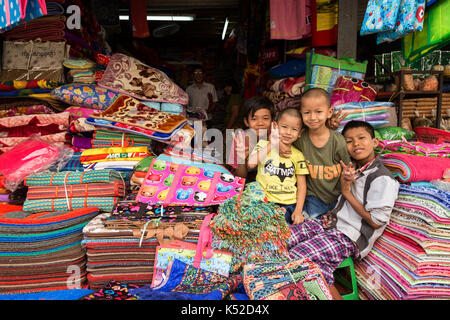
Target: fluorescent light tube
[
  {"x": 161, "y": 18},
  {"x": 225, "y": 26}
]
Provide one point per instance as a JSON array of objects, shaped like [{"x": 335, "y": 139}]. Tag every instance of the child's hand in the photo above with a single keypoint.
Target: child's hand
[
  {"x": 274, "y": 137},
  {"x": 336, "y": 118},
  {"x": 348, "y": 175},
  {"x": 297, "y": 217},
  {"x": 242, "y": 150}
]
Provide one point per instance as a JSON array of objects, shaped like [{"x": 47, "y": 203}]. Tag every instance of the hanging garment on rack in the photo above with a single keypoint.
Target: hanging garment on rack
[{"x": 289, "y": 19}]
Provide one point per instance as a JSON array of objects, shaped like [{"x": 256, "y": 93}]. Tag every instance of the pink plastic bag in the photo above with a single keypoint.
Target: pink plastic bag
[{"x": 30, "y": 156}]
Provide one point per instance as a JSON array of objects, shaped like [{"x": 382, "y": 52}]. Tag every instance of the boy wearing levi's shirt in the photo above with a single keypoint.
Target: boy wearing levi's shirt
[
  {"x": 282, "y": 178},
  {"x": 323, "y": 149}
]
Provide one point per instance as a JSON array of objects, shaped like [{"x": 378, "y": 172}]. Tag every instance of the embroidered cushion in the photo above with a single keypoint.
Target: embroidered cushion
[{"x": 85, "y": 95}]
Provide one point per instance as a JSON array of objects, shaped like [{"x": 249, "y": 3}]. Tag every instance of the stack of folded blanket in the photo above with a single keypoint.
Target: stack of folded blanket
[
  {"x": 103, "y": 138},
  {"x": 48, "y": 28},
  {"x": 414, "y": 168},
  {"x": 411, "y": 260},
  {"x": 68, "y": 190},
  {"x": 121, "y": 245},
  {"x": 16, "y": 129},
  {"x": 42, "y": 252}
]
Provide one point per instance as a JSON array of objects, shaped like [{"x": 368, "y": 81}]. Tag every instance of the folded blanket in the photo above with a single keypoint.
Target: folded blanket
[
  {"x": 412, "y": 168},
  {"x": 112, "y": 189},
  {"x": 114, "y": 154},
  {"x": 28, "y": 84},
  {"x": 414, "y": 147},
  {"x": 72, "y": 177},
  {"x": 126, "y": 110}
]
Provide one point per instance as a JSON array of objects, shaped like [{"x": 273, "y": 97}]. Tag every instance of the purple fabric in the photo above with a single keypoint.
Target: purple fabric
[
  {"x": 82, "y": 142},
  {"x": 327, "y": 248}
]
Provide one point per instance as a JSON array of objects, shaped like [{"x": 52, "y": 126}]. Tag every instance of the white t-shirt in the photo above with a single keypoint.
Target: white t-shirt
[{"x": 198, "y": 97}]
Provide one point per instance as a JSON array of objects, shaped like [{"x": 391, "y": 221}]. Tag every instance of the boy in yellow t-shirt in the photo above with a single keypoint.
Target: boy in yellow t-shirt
[{"x": 282, "y": 179}]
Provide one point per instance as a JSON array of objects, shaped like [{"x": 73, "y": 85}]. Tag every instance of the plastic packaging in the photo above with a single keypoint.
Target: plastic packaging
[
  {"x": 31, "y": 156},
  {"x": 394, "y": 133}
]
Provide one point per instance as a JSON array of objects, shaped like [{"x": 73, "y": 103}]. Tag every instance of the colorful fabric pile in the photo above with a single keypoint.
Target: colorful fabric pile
[
  {"x": 374, "y": 112},
  {"x": 416, "y": 148},
  {"x": 16, "y": 129},
  {"x": 411, "y": 259},
  {"x": 68, "y": 190},
  {"x": 253, "y": 230},
  {"x": 414, "y": 168},
  {"x": 41, "y": 253},
  {"x": 121, "y": 245}
]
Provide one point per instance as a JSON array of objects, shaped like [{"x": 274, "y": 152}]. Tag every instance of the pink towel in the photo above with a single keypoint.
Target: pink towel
[{"x": 288, "y": 19}]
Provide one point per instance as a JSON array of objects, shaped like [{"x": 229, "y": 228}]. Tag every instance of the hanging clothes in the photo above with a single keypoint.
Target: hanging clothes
[{"x": 290, "y": 19}]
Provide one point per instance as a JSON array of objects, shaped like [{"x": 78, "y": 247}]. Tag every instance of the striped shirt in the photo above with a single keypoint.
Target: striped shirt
[{"x": 377, "y": 190}]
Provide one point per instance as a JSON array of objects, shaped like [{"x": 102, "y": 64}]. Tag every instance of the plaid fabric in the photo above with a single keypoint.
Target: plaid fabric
[
  {"x": 116, "y": 188},
  {"x": 325, "y": 247},
  {"x": 105, "y": 204},
  {"x": 72, "y": 177}
]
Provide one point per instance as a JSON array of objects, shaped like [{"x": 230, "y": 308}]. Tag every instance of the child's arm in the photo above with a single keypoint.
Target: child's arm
[
  {"x": 297, "y": 215},
  {"x": 347, "y": 177}
]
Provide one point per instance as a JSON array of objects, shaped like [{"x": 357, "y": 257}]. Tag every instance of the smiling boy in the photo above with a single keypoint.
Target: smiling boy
[{"x": 362, "y": 212}]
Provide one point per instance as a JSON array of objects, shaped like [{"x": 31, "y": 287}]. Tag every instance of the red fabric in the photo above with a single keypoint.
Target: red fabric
[
  {"x": 322, "y": 38},
  {"x": 138, "y": 17}
]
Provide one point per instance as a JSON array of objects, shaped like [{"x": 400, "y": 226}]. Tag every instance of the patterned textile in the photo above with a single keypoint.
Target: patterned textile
[
  {"x": 69, "y": 177},
  {"x": 114, "y": 290},
  {"x": 28, "y": 84},
  {"x": 127, "y": 111},
  {"x": 219, "y": 262},
  {"x": 193, "y": 283},
  {"x": 26, "y": 110},
  {"x": 348, "y": 89},
  {"x": 411, "y": 259},
  {"x": 128, "y": 75},
  {"x": 105, "y": 204},
  {"x": 36, "y": 119},
  {"x": 85, "y": 95},
  {"x": 106, "y": 138},
  {"x": 112, "y": 189},
  {"x": 94, "y": 155},
  {"x": 414, "y": 147},
  {"x": 178, "y": 184},
  {"x": 252, "y": 230},
  {"x": 327, "y": 248},
  {"x": 294, "y": 280},
  {"x": 125, "y": 210}
]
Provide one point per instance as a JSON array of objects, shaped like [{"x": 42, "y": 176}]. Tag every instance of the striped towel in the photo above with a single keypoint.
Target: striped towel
[
  {"x": 74, "y": 163},
  {"x": 112, "y": 189},
  {"x": 105, "y": 204},
  {"x": 72, "y": 177}
]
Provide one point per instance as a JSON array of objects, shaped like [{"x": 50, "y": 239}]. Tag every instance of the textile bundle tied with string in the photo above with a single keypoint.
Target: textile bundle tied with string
[
  {"x": 376, "y": 113},
  {"x": 68, "y": 190},
  {"x": 252, "y": 229}
]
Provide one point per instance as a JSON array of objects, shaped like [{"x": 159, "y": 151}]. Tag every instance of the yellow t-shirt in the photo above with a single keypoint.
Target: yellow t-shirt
[{"x": 277, "y": 175}]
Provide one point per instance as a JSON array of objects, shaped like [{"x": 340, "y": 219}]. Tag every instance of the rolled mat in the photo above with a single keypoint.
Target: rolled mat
[
  {"x": 105, "y": 204},
  {"x": 72, "y": 177}
]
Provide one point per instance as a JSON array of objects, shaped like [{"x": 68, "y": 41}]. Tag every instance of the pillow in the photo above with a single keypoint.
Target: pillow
[
  {"x": 349, "y": 89},
  {"x": 380, "y": 16},
  {"x": 85, "y": 95},
  {"x": 130, "y": 76}
]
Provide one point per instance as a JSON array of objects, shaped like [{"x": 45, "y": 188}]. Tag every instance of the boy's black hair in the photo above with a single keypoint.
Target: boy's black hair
[
  {"x": 290, "y": 111},
  {"x": 317, "y": 92},
  {"x": 256, "y": 103},
  {"x": 359, "y": 124},
  {"x": 232, "y": 84},
  {"x": 197, "y": 66}
]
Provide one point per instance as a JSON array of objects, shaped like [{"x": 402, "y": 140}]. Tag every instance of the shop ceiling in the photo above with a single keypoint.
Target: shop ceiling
[{"x": 210, "y": 16}]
